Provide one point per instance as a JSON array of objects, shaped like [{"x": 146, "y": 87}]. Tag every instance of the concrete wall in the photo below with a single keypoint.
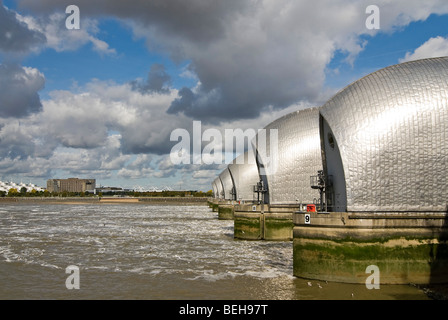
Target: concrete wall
[
  {"x": 263, "y": 222},
  {"x": 339, "y": 246}
]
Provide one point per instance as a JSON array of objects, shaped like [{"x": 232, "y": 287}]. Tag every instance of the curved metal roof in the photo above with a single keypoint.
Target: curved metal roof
[
  {"x": 287, "y": 168},
  {"x": 244, "y": 173},
  {"x": 391, "y": 131},
  {"x": 219, "y": 192},
  {"x": 215, "y": 189},
  {"x": 227, "y": 184}
]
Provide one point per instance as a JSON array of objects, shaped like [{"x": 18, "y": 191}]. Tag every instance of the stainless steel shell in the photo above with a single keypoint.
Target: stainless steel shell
[
  {"x": 244, "y": 173},
  {"x": 227, "y": 184},
  {"x": 391, "y": 129},
  {"x": 287, "y": 164},
  {"x": 219, "y": 190},
  {"x": 215, "y": 189}
]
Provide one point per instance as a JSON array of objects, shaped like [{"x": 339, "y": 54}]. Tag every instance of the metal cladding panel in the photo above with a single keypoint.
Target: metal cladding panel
[
  {"x": 244, "y": 172},
  {"x": 219, "y": 188},
  {"x": 297, "y": 158},
  {"x": 391, "y": 128},
  {"x": 215, "y": 189},
  {"x": 227, "y": 184}
]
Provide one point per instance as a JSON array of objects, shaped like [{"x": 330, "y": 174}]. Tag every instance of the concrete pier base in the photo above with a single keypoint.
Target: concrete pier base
[
  {"x": 225, "y": 212},
  {"x": 213, "y": 204},
  {"x": 263, "y": 222},
  {"x": 339, "y": 246},
  {"x": 223, "y": 207}
]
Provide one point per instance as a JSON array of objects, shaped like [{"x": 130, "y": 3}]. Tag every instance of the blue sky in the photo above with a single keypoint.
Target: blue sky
[
  {"x": 386, "y": 49},
  {"x": 101, "y": 102},
  {"x": 132, "y": 60}
]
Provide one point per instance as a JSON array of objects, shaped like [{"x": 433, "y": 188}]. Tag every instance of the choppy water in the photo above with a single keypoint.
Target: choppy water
[{"x": 151, "y": 252}]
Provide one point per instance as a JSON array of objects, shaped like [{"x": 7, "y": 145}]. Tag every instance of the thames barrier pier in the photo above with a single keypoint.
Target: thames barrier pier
[
  {"x": 384, "y": 142},
  {"x": 339, "y": 246},
  {"x": 360, "y": 182},
  {"x": 264, "y": 222},
  {"x": 272, "y": 182}
]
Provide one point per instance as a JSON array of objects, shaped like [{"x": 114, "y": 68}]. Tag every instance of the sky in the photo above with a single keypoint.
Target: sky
[{"x": 102, "y": 100}]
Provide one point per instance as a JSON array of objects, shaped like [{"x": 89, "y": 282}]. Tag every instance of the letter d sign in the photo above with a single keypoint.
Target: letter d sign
[
  {"x": 72, "y": 281},
  {"x": 373, "y": 281}
]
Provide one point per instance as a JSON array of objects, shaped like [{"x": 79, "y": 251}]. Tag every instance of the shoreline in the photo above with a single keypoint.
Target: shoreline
[{"x": 179, "y": 201}]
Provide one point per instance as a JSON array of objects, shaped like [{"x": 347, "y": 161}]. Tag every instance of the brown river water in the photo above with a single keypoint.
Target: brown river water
[{"x": 149, "y": 252}]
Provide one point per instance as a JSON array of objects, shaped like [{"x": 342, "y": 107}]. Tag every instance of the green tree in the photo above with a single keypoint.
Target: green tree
[
  {"x": 23, "y": 191},
  {"x": 13, "y": 192}
]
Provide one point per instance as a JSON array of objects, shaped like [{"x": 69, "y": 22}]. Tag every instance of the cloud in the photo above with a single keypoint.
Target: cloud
[
  {"x": 15, "y": 36},
  {"x": 107, "y": 130},
  {"x": 29, "y": 167},
  {"x": 19, "y": 87},
  {"x": 15, "y": 143},
  {"x": 85, "y": 119},
  {"x": 254, "y": 60},
  {"x": 196, "y": 20},
  {"x": 250, "y": 56},
  {"x": 59, "y": 38},
  {"x": 158, "y": 80},
  {"x": 434, "y": 47},
  {"x": 97, "y": 129},
  {"x": 273, "y": 53}
]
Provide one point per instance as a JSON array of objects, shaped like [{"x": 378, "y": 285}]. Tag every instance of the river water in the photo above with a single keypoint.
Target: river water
[{"x": 135, "y": 251}]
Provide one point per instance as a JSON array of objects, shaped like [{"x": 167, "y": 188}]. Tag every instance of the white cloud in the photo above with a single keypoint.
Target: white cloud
[
  {"x": 104, "y": 130},
  {"x": 60, "y": 38},
  {"x": 204, "y": 174},
  {"x": 434, "y": 47}
]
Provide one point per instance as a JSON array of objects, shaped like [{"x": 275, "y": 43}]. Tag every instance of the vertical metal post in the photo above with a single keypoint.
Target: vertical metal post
[{"x": 320, "y": 182}]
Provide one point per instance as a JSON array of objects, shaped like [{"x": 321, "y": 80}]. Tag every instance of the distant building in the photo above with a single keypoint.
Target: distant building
[
  {"x": 107, "y": 190},
  {"x": 6, "y": 186},
  {"x": 71, "y": 185}
]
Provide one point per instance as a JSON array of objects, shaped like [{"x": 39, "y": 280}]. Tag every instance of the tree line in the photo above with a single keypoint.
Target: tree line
[{"x": 23, "y": 192}]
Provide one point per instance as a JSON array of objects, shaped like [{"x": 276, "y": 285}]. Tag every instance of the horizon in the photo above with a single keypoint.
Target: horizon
[{"x": 96, "y": 93}]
